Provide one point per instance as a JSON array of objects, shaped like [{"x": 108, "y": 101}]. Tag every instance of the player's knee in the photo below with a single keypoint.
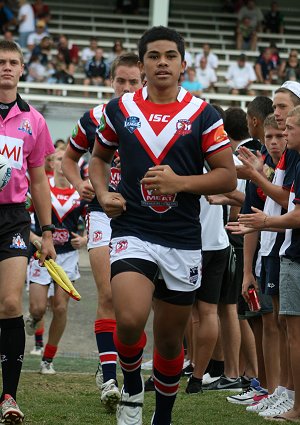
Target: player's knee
[
  {"x": 59, "y": 310},
  {"x": 37, "y": 311},
  {"x": 10, "y": 306}
]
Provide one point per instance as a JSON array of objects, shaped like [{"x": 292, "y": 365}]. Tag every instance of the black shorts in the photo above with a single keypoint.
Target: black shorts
[
  {"x": 151, "y": 271},
  {"x": 232, "y": 283},
  {"x": 269, "y": 275},
  {"x": 14, "y": 231},
  {"x": 214, "y": 264}
]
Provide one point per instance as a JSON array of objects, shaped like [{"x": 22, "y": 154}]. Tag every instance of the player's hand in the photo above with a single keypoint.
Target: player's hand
[
  {"x": 255, "y": 221},
  {"x": 47, "y": 248},
  {"x": 85, "y": 190},
  {"x": 77, "y": 241},
  {"x": 248, "y": 280},
  {"x": 162, "y": 180},
  {"x": 112, "y": 203},
  {"x": 237, "y": 228}
]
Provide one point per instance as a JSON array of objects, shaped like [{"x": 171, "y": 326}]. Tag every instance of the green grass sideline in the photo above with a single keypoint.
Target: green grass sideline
[{"x": 71, "y": 397}]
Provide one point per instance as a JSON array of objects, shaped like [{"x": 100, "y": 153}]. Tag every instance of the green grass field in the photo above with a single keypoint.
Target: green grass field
[{"x": 71, "y": 397}]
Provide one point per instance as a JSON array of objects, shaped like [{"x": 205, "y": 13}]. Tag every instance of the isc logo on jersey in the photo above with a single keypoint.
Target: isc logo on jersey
[{"x": 159, "y": 118}]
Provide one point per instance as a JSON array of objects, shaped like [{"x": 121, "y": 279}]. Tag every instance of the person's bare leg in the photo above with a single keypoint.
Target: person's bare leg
[
  {"x": 271, "y": 346},
  {"x": 283, "y": 351},
  {"x": 59, "y": 318},
  {"x": 248, "y": 350},
  {"x": 205, "y": 336},
  {"x": 231, "y": 338}
]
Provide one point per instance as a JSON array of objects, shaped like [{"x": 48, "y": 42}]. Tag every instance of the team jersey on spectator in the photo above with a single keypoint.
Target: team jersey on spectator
[
  {"x": 27, "y": 145},
  {"x": 182, "y": 135},
  {"x": 82, "y": 141},
  {"x": 291, "y": 245},
  {"x": 284, "y": 176},
  {"x": 67, "y": 208}
]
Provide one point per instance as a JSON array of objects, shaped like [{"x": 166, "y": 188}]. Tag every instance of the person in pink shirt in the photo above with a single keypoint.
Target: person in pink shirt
[{"x": 25, "y": 141}]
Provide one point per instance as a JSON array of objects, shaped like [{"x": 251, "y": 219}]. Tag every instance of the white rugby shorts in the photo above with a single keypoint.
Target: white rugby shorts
[
  {"x": 98, "y": 229},
  {"x": 179, "y": 268},
  {"x": 68, "y": 261}
]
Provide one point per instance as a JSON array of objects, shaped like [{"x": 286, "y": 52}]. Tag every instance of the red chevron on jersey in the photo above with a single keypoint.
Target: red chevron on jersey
[
  {"x": 157, "y": 133},
  {"x": 63, "y": 200}
]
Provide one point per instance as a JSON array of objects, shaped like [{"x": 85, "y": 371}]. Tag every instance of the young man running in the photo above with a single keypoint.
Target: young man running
[
  {"x": 125, "y": 78},
  {"x": 163, "y": 134}
]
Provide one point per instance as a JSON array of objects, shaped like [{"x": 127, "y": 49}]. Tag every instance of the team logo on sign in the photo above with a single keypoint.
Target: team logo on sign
[
  {"x": 158, "y": 203},
  {"x": 131, "y": 123},
  {"x": 183, "y": 127},
  {"x": 26, "y": 127}
]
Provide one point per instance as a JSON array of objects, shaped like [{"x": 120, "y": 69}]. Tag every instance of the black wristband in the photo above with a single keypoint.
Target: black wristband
[{"x": 48, "y": 228}]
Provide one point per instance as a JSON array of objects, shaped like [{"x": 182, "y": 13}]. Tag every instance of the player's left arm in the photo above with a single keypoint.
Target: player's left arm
[
  {"x": 221, "y": 178},
  {"x": 40, "y": 192}
]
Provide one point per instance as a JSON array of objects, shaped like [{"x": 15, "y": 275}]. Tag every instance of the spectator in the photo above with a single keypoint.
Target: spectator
[
  {"x": 240, "y": 76},
  {"x": 36, "y": 71},
  {"x": 127, "y": 6},
  {"x": 36, "y": 37},
  {"x": 188, "y": 57},
  {"x": 41, "y": 11},
  {"x": 7, "y": 18},
  {"x": 246, "y": 37},
  {"x": 69, "y": 51},
  {"x": 96, "y": 70},
  {"x": 250, "y": 19},
  {"x": 8, "y": 36},
  {"x": 63, "y": 72},
  {"x": 290, "y": 69},
  {"x": 43, "y": 51},
  {"x": 273, "y": 21},
  {"x": 191, "y": 83},
  {"x": 212, "y": 58},
  {"x": 275, "y": 54},
  {"x": 117, "y": 50},
  {"x": 264, "y": 67},
  {"x": 25, "y": 21},
  {"x": 89, "y": 52},
  {"x": 206, "y": 75}
]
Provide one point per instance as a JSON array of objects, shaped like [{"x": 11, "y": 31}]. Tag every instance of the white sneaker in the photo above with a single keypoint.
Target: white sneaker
[
  {"x": 37, "y": 351},
  {"x": 207, "y": 379},
  {"x": 110, "y": 395},
  {"x": 10, "y": 411},
  {"x": 265, "y": 403},
  {"x": 130, "y": 409},
  {"x": 47, "y": 368},
  {"x": 31, "y": 324},
  {"x": 248, "y": 396},
  {"x": 99, "y": 376},
  {"x": 284, "y": 404}
]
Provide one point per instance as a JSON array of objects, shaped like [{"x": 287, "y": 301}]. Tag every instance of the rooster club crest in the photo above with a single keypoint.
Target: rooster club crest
[
  {"x": 121, "y": 246},
  {"x": 131, "y": 123},
  {"x": 183, "y": 127},
  {"x": 158, "y": 203},
  {"x": 26, "y": 127}
]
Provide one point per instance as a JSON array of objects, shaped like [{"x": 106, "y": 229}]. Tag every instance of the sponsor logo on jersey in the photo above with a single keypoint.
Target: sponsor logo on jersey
[
  {"x": 193, "y": 275},
  {"x": 12, "y": 148},
  {"x": 60, "y": 236},
  {"x": 102, "y": 124},
  {"x": 75, "y": 131},
  {"x": 132, "y": 123},
  {"x": 18, "y": 242},
  {"x": 26, "y": 127},
  {"x": 220, "y": 134},
  {"x": 159, "y": 118},
  {"x": 97, "y": 236},
  {"x": 121, "y": 246},
  {"x": 158, "y": 203},
  {"x": 115, "y": 177},
  {"x": 183, "y": 127}
]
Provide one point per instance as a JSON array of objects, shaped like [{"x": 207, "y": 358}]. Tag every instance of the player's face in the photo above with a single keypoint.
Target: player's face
[
  {"x": 127, "y": 80},
  {"x": 162, "y": 64},
  {"x": 49, "y": 163},
  {"x": 274, "y": 142},
  {"x": 282, "y": 105},
  {"x": 292, "y": 133},
  {"x": 11, "y": 69},
  {"x": 58, "y": 156}
]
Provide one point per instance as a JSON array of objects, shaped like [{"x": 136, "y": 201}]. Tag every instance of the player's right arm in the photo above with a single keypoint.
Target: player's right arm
[{"x": 71, "y": 170}]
